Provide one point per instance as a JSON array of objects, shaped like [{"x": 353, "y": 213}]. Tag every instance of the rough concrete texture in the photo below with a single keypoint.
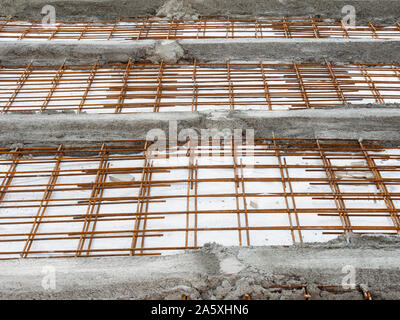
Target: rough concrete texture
[
  {"x": 81, "y": 9},
  {"x": 168, "y": 51},
  {"x": 215, "y": 272},
  {"x": 351, "y": 123},
  {"x": 383, "y": 11},
  {"x": 302, "y": 50},
  {"x": 209, "y": 50},
  {"x": 49, "y": 53},
  {"x": 177, "y": 9}
]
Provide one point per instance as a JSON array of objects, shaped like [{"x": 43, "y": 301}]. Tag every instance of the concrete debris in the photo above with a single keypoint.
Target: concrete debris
[
  {"x": 357, "y": 163},
  {"x": 121, "y": 178},
  {"x": 16, "y": 145},
  {"x": 177, "y": 9},
  {"x": 253, "y": 204},
  {"x": 175, "y": 293},
  {"x": 169, "y": 51},
  {"x": 354, "y": 175}
]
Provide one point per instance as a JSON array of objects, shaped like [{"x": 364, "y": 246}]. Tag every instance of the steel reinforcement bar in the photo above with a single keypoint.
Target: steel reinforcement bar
[
  {"x": 157, "y": 29},
  {"x": 141, "y": 87},
  {"x": 141, "y": 198}
]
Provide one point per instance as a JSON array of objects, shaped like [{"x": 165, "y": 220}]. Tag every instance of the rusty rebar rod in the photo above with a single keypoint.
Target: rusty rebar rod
[
  {"x": 140, "y": 87},
  {"x": 65, "y": 201}
]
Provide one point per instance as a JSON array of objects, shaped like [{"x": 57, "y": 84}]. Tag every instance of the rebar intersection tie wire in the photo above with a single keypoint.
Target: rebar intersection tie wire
[
  {"x": 139, "y": 87},
  {"x": 195, "y": 29},
  {"x": 72, "y": 202}
]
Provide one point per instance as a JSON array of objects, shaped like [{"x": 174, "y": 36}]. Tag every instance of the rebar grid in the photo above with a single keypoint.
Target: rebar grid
[
  {"x": 137, "y": 198},
  {"x": 145, "y": 29},
  {"x": 140, "y": 87}
]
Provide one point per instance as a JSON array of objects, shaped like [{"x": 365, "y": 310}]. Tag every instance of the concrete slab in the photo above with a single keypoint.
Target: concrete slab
[
  {"x": 301, "y": 50},
  {"x": 207, "y": 50},
  {"x": 214, "y": 272},
  {"x": 342, "y": 122}
]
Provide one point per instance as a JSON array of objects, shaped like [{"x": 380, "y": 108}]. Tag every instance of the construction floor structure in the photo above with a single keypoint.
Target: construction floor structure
[{"x": 125, "y": 149}]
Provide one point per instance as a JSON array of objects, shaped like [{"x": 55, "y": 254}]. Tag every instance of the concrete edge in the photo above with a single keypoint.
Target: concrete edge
[
  {"x": 70, "y": 129},
  {"x": 213, "y": 272},
  {"x": 285, "y": 50}
]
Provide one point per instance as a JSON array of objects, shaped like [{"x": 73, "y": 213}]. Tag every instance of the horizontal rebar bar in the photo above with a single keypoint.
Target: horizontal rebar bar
[{"x": 194, "y": 29}]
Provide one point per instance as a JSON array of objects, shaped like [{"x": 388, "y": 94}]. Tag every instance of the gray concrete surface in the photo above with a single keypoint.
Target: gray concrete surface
[
  {"x": 367, "y": 10},
  {"x": 49, "y": 53},
  {"x": 214, "y": 272},
  {"x": 285, "y": 50},
  {"x": 302, "y": 50},
  {"x": 346, "y": 122}
]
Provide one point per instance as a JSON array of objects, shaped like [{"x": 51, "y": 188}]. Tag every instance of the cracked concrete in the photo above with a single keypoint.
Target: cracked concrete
[{"x": 215, "y": 272}]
